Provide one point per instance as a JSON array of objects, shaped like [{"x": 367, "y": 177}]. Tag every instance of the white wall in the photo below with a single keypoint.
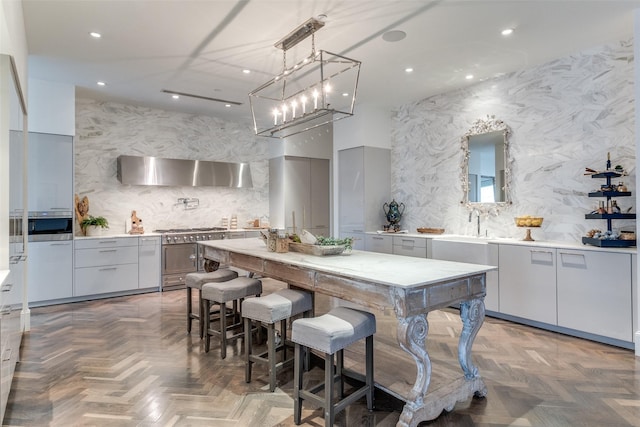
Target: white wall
[
  {"x": 13, "y": 38},
  {"x": 564, "y": 115},
  {"x": 106, "y": 130}
]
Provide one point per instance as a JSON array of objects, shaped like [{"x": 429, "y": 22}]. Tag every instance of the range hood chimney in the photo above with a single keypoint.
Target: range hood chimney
[{"x": 136, "y": 170}]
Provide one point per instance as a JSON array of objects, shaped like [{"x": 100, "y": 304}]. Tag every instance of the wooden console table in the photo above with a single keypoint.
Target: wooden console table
[{"x": 410, "y": 286}]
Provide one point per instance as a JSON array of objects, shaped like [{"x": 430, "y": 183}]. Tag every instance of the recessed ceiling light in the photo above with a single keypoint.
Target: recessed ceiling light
[
  {"x": 101, "y": 84},
  {"x": 227, "y": 105},
  {"x": 469, "y": 76},
  {"x": 507, "y": 31},
  {"x": 246, "y": 71},
  {"x": 345, "y": 94},
  {"x": 174, "y": 96},
  {"x": 394, "y": 36},
  {"x": 408, "y": 70},
  {"x": 95, "y": 35}
]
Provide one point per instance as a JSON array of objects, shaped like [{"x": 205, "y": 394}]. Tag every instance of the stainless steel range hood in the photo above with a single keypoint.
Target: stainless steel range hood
[{"x": 136, "y": 170}]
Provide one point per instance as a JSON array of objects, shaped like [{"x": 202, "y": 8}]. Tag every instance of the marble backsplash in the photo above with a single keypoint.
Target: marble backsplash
[
  {"x": 565, "y": 115},
  {"x": 105, "y": 130}
]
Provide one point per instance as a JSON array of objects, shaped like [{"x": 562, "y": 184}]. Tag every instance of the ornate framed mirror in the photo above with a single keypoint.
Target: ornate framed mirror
[{"x": 485, "y": 170}]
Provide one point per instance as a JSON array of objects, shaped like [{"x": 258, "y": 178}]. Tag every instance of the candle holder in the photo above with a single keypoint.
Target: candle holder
[{"x": 528, "y": 222}]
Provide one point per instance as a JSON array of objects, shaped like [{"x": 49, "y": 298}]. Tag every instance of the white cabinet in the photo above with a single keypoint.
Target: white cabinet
[
  {"x": 149, "y": 262},
  {"x": 480, "y": 252},
  {"x": 50, "y": 271},
  {"x": 364, "y": 185},
  {"x": 10, "y": 338},
  {"x": 527, "y": 278},
  {"x": 16, "y": 169},
  {"x": 50, "y": 172},
  {"x": 105, "y": 265},
  {"x": 378, "y": 243},
  {"x": 52, "y": 107},
  {"x": 410, "y": 246},
  {"x": 594, "y": 293},
  {"x": 300, "y": 185},
  {"x": 358, "y": 239}
]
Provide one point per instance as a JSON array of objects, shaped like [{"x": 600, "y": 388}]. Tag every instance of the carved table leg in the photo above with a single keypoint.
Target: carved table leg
[
  {"x": 472, "y": 315},
  {"x": 412, "y": 334}
]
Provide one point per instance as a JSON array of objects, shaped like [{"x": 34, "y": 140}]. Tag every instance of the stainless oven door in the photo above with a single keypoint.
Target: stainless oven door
[{"x": 181, "y": 258}]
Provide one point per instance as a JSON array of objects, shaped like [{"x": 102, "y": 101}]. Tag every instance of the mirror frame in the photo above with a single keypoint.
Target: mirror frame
[{"x": 479, "y": 127}]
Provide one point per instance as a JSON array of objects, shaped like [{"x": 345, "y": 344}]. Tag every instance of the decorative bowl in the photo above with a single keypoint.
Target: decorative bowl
[
  {"x": 528, "y": 221},
  {"x": 430, "y": 230}
]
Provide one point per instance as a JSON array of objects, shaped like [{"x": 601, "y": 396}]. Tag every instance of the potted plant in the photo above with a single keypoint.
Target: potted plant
[{"x": 93, "y": 225}]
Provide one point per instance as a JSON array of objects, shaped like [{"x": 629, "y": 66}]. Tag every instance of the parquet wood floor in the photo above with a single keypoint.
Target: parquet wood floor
[{"x": 128, "y": 361}]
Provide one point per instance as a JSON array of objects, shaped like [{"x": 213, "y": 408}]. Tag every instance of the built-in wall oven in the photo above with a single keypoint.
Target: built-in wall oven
[
  {"x": 50, "y": 226},
  {"x": 181, "y": 255}
]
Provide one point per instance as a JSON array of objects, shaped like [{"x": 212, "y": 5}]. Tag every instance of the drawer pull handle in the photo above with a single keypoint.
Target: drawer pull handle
[
  {"x": 5, "y": 309},
  {"x": 6, "y": 356},
  {"x": 110, "y": 242},
  {"x": 6, "y": 287},
  {"x": 108, "y": 250},
  {"x": 107, "y": 268}
]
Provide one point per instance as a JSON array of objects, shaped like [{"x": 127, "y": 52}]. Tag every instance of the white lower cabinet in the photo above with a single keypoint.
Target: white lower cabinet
[
  {"x": 149, "y": 262},
  {"x": 594, "y": 293},
  {"x": 105, "y": 265},
  {"x": 410, "y": 246},
  {"x": 527, "y": 277},
  {"x": 50, "y": 271},
  {"x": 357, "y": 236},
  {"x": 379, "y": 243}
]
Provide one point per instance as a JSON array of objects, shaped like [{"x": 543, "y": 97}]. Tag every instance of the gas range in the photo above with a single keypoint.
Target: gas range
[{"x": 174, "y": 236}]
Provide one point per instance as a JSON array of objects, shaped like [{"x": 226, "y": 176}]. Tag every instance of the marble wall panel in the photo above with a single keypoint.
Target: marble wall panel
[
  {"x": 105, "y": 130},
  {"x": 565, "y": 115}
]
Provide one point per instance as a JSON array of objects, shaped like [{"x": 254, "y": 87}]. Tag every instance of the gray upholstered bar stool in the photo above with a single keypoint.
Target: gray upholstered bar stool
[
  {"x": 331, "y": 333},
  {"x": 269, "y": 310},
  {"x": 196, "y": 280},
  {"x": 220, "y": 293}
]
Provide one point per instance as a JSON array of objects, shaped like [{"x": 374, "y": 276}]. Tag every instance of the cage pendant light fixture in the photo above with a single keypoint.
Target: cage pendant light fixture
[{"x": 315, "y": 91}]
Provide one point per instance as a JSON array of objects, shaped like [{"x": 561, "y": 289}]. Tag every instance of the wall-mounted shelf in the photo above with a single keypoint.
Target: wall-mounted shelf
[{"x": 609, "y": 216}]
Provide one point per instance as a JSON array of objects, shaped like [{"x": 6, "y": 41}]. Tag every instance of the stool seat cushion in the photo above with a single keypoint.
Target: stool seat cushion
[
  {"x": 277, "y": 306},
  {"x": 335, "y": 330},
  {"x": 234, "y": 289},
  {"x": 196, "y": 280}
]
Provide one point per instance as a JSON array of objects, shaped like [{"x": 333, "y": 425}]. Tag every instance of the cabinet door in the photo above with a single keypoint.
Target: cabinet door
[
  {"x": 297, "y": 193},
  {"x": 149, "y": 258},
  {"x": 377, "y": 243},
  {"x": 320, "y": 196},
  {"x": 527, "y": 279},
  {"x": 594, "y": 293},
  {"x": 50, "y": 172},
  {"x": 50, "y": 268},
  {"x": 16, "y": 157},
  {"x": 351, "y": 190}
]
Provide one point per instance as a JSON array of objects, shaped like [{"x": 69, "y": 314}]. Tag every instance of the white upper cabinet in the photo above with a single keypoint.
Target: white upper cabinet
[
  {"x": 50, "y": 172},
  {"x": 52, "y": 107}
]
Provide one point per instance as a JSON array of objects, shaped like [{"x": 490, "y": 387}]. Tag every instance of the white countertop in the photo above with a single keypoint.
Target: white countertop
[
  {"x": 509, "y": 241},
  {"x": 391, "y": 270}
]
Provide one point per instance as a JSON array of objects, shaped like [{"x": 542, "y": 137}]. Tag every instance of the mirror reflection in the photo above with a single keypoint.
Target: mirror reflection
[{"x": 485, "y": 170}]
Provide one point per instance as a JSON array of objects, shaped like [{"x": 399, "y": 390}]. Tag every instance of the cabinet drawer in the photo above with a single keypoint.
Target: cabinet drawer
[
  {"x": 377, "y": 243},
  {"x": 149, "y": 241},
  {"x": 100, "y": 280},
  {"x": 106, "y": 256},
  {"x": 105, "y": 242},
  {"x": 409, "y": 242}
]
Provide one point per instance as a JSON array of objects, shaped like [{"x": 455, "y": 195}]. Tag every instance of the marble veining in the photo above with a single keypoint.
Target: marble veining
[
  {"x": 565, "y": 115},
  {"x": 105, "y": 130}
]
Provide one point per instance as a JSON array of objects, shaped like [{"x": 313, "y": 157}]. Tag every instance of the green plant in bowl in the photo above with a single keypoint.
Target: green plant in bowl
[{"x": 94, "y": 221}]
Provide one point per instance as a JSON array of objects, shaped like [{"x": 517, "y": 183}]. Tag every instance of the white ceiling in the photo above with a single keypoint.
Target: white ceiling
[{"x": 201, "y": 47}]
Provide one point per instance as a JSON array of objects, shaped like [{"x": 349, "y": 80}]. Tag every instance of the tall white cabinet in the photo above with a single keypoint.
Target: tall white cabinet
[
  {"x": 364, "y": 185},
  {"x": 50, "y": 172},
  {"x": 300, "y": 185}
]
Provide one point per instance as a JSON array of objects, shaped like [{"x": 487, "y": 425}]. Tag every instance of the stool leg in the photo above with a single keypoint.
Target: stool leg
[
  {"x": 201, "y": 311},
  {"x": 369, "y": 371},
  {"x": 189, "y": 310},
  {"x": 283, "y": 338},
  {"x": 339, "y": 369},
  {"x": 297, "y": 384},
  {"x": 207, "y": 326},
  {"x": 329, "y": 410},
  {"x": 247, "y": 349},
  {"x": 223, "y": 332},
  {"x": 271, "y": 350}
]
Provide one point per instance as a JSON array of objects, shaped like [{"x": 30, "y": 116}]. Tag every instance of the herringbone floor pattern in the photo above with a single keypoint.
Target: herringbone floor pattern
[{"x": 129, "y": 362}]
